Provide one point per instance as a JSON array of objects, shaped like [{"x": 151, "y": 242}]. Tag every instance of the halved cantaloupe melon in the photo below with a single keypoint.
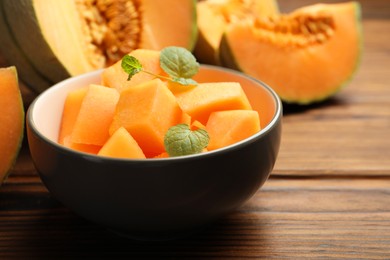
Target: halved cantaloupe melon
[
  {"x": 11, "y": 120},
  {"x": 62, "y": 38},
  {"x": 228, "y": 127},
  {"x": 215, "y": 15},
  {"x": 305, "y": 56}
]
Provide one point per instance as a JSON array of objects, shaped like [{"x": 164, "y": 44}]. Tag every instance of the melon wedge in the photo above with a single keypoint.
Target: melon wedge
[
  {"x": 11, "y": 120},
  {"x": 62, "y": 38},
  {"x": 305, "y": 56},
  {"x": 215, "y": 15}
]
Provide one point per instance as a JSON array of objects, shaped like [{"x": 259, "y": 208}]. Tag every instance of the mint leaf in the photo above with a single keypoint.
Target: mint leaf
[
  {"x": 185, "y": 82},
  {"x": 131, "y": 66},
  {"x": 179, "y": 63},
  {"x": 180, "y": 140}
]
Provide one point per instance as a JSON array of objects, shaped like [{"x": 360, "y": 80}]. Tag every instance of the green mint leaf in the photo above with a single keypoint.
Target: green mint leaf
[
  {"x": 180, "y": 140},
  {"x": 185, "y": 82},
  {"x": 178, "y": 62},
  {"x": 131, "y": 65}
]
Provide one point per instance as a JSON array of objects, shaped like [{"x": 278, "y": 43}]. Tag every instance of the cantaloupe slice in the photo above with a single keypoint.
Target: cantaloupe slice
[
  {"x": 147, "y": 111},
  {"x": 115, "y": 77},
  {"x": 11, "y": 120},
  {"x": 306, "y": 56},
  {"x": 122, "y": 145},
  {"x": 228, "y": 127},
  {"x": 206, "y": 98},
  {"x": 71, "y": 110},
  {"x": 95, "y": 116}
]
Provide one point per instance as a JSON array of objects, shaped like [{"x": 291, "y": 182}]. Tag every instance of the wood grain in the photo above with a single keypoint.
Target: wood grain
[
  {"x": 294, "y": 219},
  {"x": 327, "y": 198}
]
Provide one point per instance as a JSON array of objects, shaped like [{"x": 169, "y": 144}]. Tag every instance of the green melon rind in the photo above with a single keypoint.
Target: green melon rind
[
  {"x": 13, "y": 54},
  {"x": 228, "y": 60},
  {"x": 194, "y": 30},
  {"x": 24, "y": 25},
  {"x": 20, "y": 140}
]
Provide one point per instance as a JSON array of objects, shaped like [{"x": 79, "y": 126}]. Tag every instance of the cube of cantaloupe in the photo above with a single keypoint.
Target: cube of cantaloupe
[
  {"x": 122, "y": 145},
  {"x": 71, "y": 110},
  {"x": 230, "y": 126},
  {"x": 147, "y": 111},
  {"x": 201, "y": 101},
  {"x": 86, "y": 148},
  {"x": 115, "y": 77},
  {"x": 95, "y": 116}
]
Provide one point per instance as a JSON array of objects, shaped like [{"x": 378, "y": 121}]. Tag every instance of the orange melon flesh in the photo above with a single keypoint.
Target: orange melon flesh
[
  {"x": 164, "y": 27},
  {"x": 95, "y": 116},
  {"x": 197, "y": 125},
  {"x": 206, "y": 98},
  {"x": 300, "y": 73},
  {"x": 228, "y": 127},
  {"x": 115, "y": 77},
  {"x": 85, "y": 148},
  {"x": 71, "y": 110},
  {"x": 147, "y": 111},
  {"x": 122, "y": 145},
  {"x": 11, "y": 120}
]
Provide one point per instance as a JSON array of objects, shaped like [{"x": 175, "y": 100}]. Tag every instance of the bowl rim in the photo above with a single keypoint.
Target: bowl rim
[{"x": 273, "y": 122}]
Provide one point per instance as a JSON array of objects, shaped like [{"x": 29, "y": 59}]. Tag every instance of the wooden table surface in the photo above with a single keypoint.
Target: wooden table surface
[{"x": 328, "y": 195}]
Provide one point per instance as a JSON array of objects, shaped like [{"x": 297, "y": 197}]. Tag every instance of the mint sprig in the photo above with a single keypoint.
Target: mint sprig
[
  {"x": 177, "y": 62},
  {"x": 181, "y": 140}
]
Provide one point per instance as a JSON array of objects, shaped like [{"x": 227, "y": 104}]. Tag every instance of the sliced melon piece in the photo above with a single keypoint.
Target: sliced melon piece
[
  {"x": 305, "y": 56},
  {"x": 85, "y": 148},
  {"x": 231, "y": 126},
  {"x": 63, "y": 38},
  {"x": 115, "y": 77},
  {"x": 95, "y": 115},
  {"x": 72, "y": 106},
  {"x": 11, "y": 120},
  {"x": 147, "y": 111},
  {"x": 122, "y": 145},
  {"x": 201, "y": 101},
  {"x": 215, "y": 15}
]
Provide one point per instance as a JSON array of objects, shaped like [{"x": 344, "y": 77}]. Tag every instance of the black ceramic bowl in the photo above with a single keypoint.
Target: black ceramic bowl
[{"x": 155, "y": 198}]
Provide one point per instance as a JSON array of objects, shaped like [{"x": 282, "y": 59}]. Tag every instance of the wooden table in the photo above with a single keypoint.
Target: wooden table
[{"x": 328, "y": 196}]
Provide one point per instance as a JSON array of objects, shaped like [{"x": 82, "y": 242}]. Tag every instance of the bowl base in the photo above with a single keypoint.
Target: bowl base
[{"x": 163, "y": 236}]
